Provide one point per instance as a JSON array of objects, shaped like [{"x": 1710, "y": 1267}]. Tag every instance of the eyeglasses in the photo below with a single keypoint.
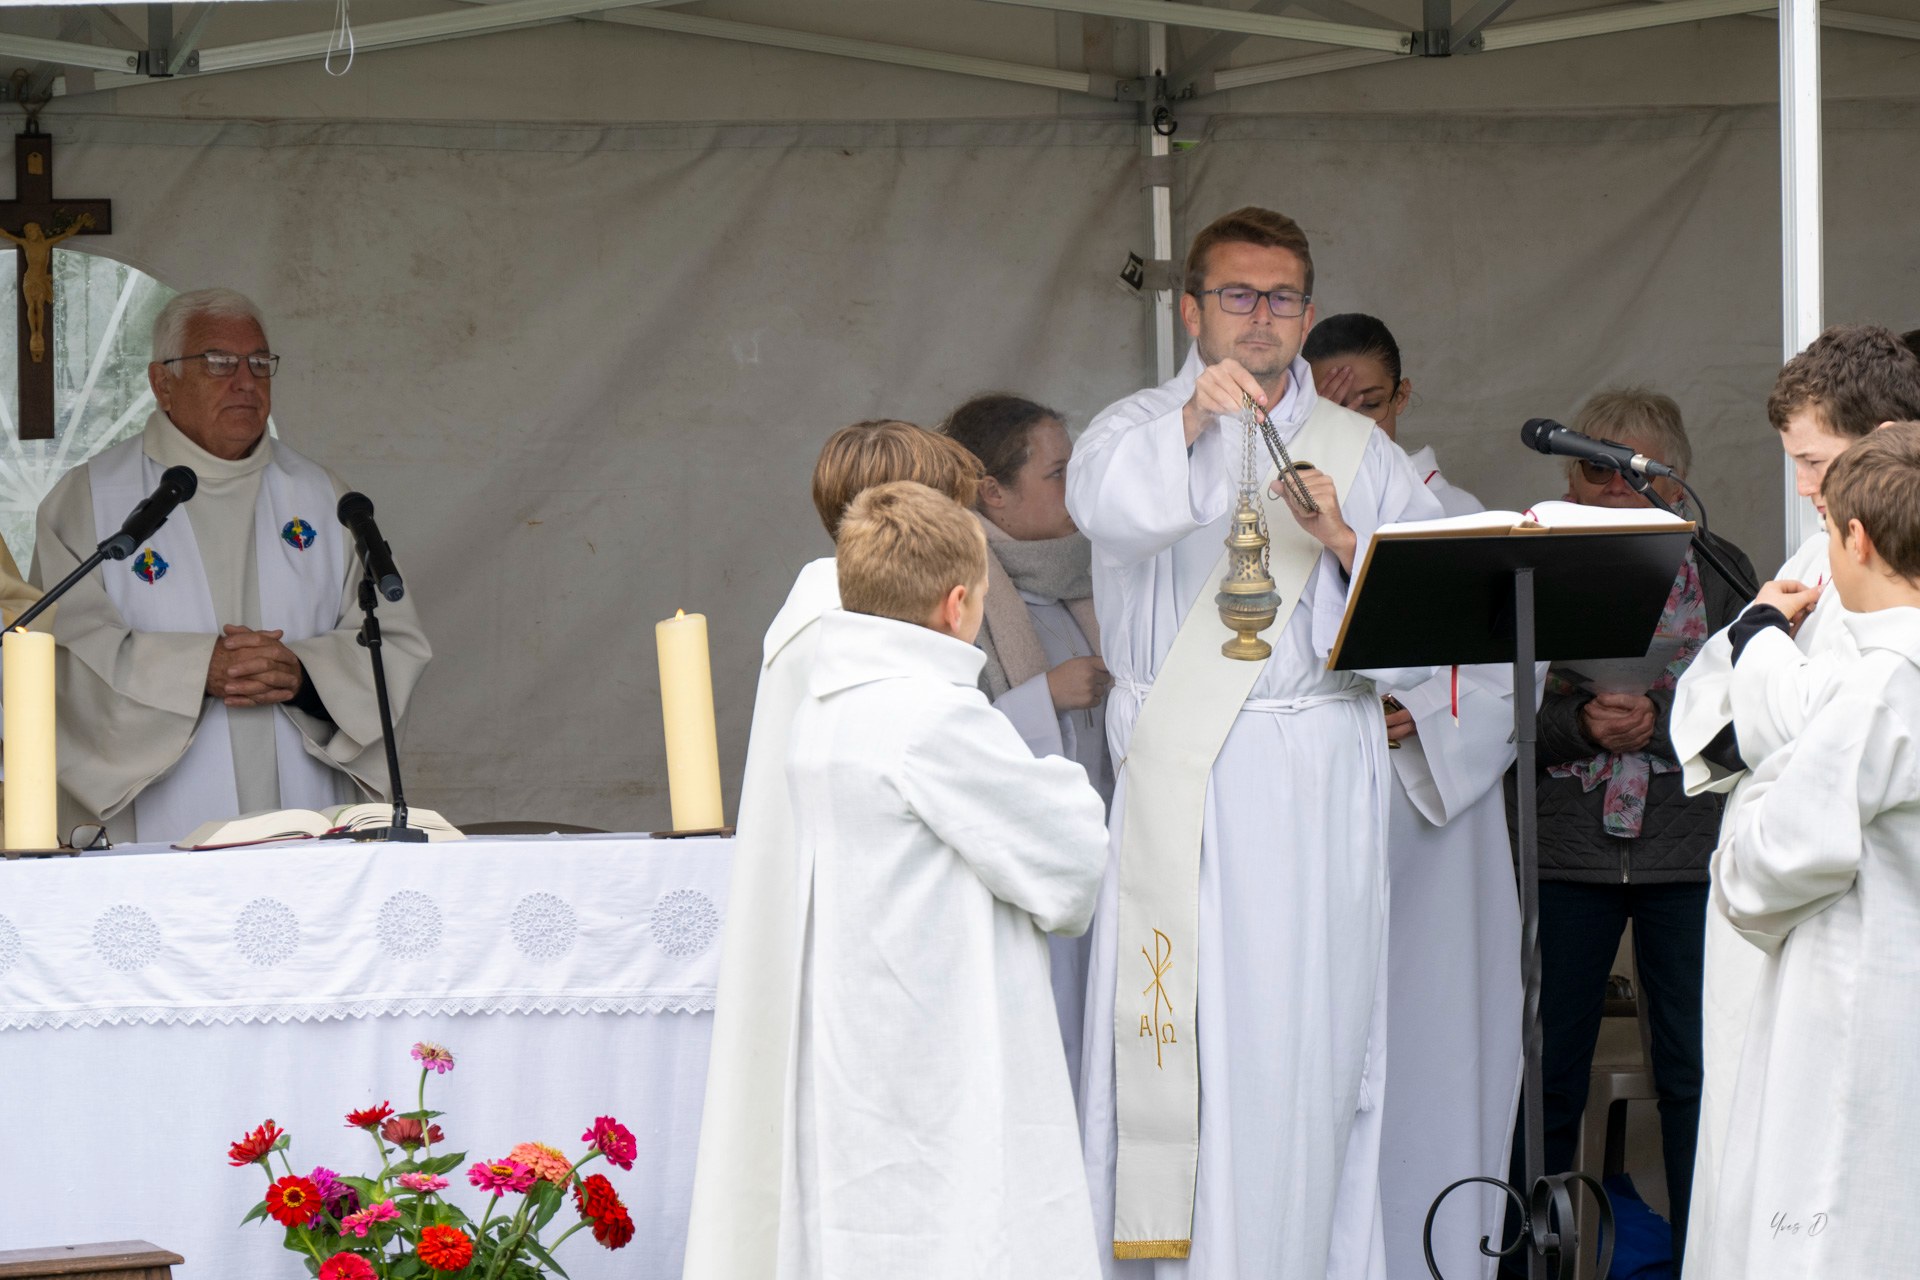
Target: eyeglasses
[
  {"x": 88, "y": 836},
  {"x": 224, "y": 364},
  {"x": 1238, "y": 300}
]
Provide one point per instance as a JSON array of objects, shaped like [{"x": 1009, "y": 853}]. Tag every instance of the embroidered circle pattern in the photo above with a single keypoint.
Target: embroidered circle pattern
[
  {"x": 266, "y": 932},
  {"x": 684, "y": 922},
  {"x": 126, "y": 937},
  {"x": 409, "y": 924},
  {"x": 9, "y": 944},
  {"x": 544, "y": 926}
]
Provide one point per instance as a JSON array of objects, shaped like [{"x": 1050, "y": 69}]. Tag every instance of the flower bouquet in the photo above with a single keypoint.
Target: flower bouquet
[{"x": 396, "y": 1225}]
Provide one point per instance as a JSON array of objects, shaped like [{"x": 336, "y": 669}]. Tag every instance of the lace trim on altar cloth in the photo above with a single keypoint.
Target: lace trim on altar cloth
[{"x": 696, "y": 1001}]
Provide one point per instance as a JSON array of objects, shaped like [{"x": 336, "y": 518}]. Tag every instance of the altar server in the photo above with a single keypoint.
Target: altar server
[
  {"x": 216, "y": 671},
  {"x": 731, "y": 1233},
  {"x": 1453, "y": 933},
  {"x": 1246, "y": 908},
  {"x": 1848, "y": 382},
  {"x": 1821, "y": 869},
  {"x": 933, "y": 1132}
]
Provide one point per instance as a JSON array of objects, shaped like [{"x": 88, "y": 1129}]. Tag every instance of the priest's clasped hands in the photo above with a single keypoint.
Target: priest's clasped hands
[{"x": 252, "y": 668}]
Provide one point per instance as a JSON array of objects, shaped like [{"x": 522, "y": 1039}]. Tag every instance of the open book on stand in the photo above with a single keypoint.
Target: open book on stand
[
  {"x": 1544, "y": 517},
  {"x": 311, "y": 824}
]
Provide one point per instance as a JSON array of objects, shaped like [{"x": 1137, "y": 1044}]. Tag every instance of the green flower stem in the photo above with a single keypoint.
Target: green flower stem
[
  {"x": 564, "y": 1234},
  {"x": 386, "y": 1161},
  {"x": 306, "y": 1241},
  {"x": 420, "y": 1104}
]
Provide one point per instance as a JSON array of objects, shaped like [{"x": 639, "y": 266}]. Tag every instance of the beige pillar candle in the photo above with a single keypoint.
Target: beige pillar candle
[
  {"x": 686, "y": 708},
  {"x": 26, "y": 688}
]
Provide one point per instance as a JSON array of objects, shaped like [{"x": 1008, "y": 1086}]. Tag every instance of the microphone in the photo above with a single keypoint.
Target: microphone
[
  {"x": 177, "y": 484},
  {"x": 1548, "y": 436},
  {"x": 356, "y": 512}
]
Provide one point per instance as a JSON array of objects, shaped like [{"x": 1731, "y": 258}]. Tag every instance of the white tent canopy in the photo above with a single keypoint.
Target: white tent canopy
[{"x": 574, "y": 290}]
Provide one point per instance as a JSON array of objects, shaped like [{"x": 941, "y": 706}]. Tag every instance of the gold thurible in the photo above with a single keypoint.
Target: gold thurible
[{"x": 1247, "y": 601}]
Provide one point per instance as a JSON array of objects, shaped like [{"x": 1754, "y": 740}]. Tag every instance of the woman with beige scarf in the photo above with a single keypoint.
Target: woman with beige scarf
[{"x": 1043, "y": 668}]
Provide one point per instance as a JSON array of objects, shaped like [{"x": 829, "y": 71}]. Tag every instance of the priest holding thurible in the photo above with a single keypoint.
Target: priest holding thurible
[{"x": 216, "y": 671}]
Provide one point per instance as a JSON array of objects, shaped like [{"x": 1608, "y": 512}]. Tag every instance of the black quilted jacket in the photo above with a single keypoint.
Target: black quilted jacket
[{"x": 1678, "y": 834}]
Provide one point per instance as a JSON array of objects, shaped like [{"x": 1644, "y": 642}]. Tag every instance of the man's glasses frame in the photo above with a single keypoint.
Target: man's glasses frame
[
  {"x": 224, "y": 364},
  {"x": 1242, "y": 300}
]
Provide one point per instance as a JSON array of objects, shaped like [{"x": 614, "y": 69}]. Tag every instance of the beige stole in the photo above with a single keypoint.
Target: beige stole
[{"x": 1192, "y": 705}]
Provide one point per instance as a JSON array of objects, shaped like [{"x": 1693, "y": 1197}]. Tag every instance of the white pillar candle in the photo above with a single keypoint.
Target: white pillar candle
[
  {"x": 26, "y": 688},
  {"x": 686, "y": 708}
]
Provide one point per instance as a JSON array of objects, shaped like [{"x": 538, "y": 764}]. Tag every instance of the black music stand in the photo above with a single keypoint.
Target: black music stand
[{"x": 1457, "y": 599}]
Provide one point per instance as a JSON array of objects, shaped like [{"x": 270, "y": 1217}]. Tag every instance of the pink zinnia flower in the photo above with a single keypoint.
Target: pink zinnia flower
[
  {"x": 359, "y": 1224},
  {"x": 436, "y": 1058},
  {"x": 546, "y": 1162},
  {"x": 346, "y": 1266},
  {"x": 424, "y": 1183},
  {"x": 501, "y": 1176},
  {"x": 614, "y": 1140}
]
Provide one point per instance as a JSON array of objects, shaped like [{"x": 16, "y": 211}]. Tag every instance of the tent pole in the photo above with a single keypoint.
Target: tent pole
[
  {"x": 1801, "y": 281},
  {"x": 1161, "y": 198}
]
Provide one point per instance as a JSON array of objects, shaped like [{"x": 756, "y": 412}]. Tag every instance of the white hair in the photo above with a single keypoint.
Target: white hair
[{"x": 170, "y": 326}]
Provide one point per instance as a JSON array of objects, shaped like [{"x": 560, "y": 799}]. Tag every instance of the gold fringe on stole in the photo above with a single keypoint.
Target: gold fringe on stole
[{"x": 1127, "y": 1249}]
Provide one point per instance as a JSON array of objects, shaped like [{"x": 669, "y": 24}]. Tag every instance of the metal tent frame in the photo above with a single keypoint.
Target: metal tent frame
[{"x": 173, "y": 46}]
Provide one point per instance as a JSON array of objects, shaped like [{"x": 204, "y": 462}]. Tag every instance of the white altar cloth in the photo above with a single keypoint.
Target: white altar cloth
[{"x": 155, "y": 1004}]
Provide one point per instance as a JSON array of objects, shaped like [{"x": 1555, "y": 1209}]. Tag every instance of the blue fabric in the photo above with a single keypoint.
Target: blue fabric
[{"x": 1643, "y": 1243}]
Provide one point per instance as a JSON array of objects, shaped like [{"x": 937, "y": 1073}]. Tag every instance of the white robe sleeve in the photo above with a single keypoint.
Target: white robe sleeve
[
  {"x": 342, "y": 674},
  {"x": 1774, "y": 690},
  {"x": 1032, "y": 828},
  {"x": 1795, "y": 845},
  {"x": 1446, "y": 766},
  {"x": 1135, "y": 489},
  {"x": 1030, "y": 708},
  {"x": 129, "y": 700}
]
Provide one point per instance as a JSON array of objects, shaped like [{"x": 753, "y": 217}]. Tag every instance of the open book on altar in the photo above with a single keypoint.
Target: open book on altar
[
  {"x": 311, "y": 824},
  {"x": 1544, "y": 517}
]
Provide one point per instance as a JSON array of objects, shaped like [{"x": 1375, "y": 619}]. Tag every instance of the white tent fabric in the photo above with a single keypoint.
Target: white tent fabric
[{"x": 584, "y": 370}]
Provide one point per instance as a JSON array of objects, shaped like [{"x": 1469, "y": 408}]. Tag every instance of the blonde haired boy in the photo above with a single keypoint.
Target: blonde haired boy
[
  {"x": 1820, "y": 868},
  {"x": 733, "y": 1227},
  {"x": 933, "y": 1131}
]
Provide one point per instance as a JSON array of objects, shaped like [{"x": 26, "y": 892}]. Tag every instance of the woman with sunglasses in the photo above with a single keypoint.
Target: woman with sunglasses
[
  {"x": 1453, "y": 929},
  {"x": 1620, "y": 839}
]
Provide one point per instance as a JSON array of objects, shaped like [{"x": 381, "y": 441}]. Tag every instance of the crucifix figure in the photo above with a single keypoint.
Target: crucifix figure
[{"x": 35, "y": 221}]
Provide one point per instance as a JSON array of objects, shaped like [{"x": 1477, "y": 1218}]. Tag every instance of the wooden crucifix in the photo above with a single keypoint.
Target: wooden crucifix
[{"x": 35, "y": 221}]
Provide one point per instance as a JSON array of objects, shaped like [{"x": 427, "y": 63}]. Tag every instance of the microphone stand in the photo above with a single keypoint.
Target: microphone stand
[
  {"x": 399, "y": 831},
  {"x": 1731, "y": 576},
  {"x": 61, "y": 587}
]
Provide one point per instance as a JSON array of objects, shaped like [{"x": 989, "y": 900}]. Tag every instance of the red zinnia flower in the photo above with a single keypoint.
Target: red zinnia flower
[
  {"x": 403, "y": 1132},
  {"x": 293, "y": 1200},
  {"x": 346, "y": 1266},
  {"x": 445, "y": 1248},
  {"x": 615, "y": 1230},
  {"x": 614, "y": 1140},
  {"x": 595, "y": 1197},
  {"x": 370, "y": 1118},
  {"x": 254, "y": 1147}
]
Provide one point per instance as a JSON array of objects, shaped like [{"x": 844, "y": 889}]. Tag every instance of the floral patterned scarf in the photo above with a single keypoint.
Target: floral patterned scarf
[{"x": 1627, "y": 774}]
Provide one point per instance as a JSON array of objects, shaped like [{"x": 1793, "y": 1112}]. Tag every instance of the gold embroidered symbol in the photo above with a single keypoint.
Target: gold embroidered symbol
[{"x": 1160, "y": 960}]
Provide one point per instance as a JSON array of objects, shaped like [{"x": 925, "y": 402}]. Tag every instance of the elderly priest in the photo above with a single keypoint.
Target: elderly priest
[{"x": 216, "y": 670}]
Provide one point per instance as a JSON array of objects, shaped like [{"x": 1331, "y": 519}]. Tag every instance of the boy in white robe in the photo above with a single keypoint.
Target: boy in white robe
[
  {"x": 1851, "y": 380},
  {"x": 734, "y": 1223},
  {"x": 1821, "y": 869},
  {"x": 933, "y": 1130}
]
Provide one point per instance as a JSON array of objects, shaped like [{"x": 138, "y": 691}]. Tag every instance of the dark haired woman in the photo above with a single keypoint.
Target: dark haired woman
[
  {"x": 1042, "y": 643},
  {"x": 1453, "y": 925},
  {"x": 1356, "y": 364}
]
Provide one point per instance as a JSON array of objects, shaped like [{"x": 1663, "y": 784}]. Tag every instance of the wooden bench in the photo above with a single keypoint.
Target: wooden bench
[{"x": 119, "y": 1260}]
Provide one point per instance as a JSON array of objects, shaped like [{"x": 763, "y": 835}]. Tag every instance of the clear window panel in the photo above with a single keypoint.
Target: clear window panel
[{"x": 103, "y": 314}]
